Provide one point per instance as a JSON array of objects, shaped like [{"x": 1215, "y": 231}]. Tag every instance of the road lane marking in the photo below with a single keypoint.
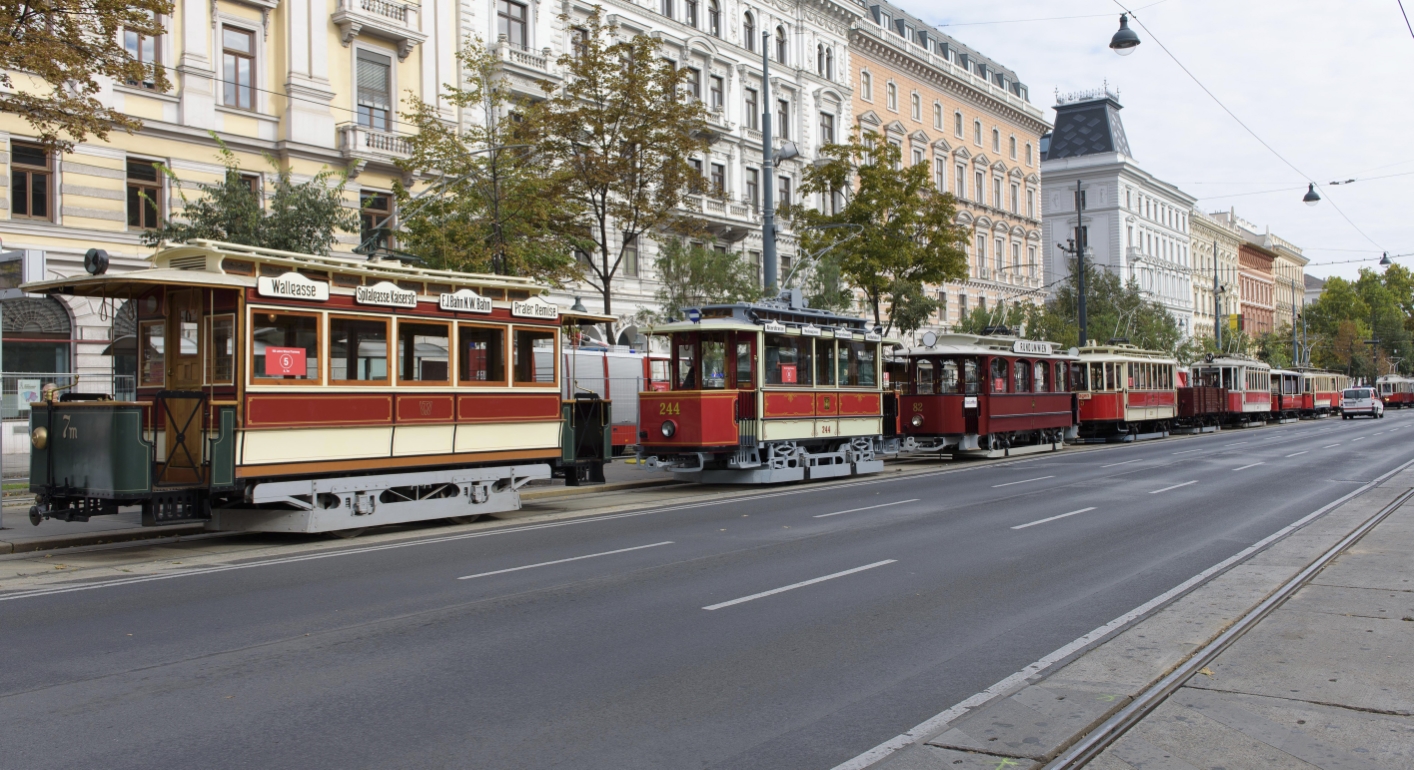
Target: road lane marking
[
  {"x": 1126, "y": 462},
  {"x": 866, "y": 508},
  {"x": 1250, "y": 465},
  {"x": 1023, "y": 481},
  {"x": 562, "y": 561},
  {"x": 1236, "y": 443},
  {"x": 1302, "y": 452},
  {"x": 1328, "y": 446},
  {"x": 801, "y": 584},
  {"x": 1053, "y": 518},
  {"x": 1362, "y": 438},
  {"x": 1175, "y": 486},
  {"x": 1187, "y": 451}
]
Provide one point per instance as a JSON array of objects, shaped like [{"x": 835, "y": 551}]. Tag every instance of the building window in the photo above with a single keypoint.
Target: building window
[
  {"x": 719, "y": 179},
  {"x": 1016, "y": 260},
  {"x": 714, "y": 18},
  {"x": 999, "y": 254},
  {"x": 783, "y": 116},
  {"x": 866, "y": 87},
  {"x": 783, "y": 187},
  {"x": 630, "y": 263},
  {"x": 979, "y": 186},
  {"x": 938, "y": 117},
  {"x": 238, "y": 68},
  {"x": 717, "y": 92},
  {"x": 691, "y": 17},
  {"x": 827, "y": 128},
  {"x": 996, "y": 141},
  {"x": 145, "y": 50},
  {"x": 891, "y": 96},
  {"x": 579, "y": 41},
  {"x": 917, "y": 156},
  {"x": 820, "y": 60},
  {"x": 666, "y": 8},
  {"x": 960, "y": 188},
  {"x": 1028, "y": 154},
  {"x": 696, "y": 164},
  {"x": 375, "y": 219},
  {"x": 375, "y": 88},
  {"x": 917, "y": 107},
  {"x": 1012, "y": 147},
  {"x": 753, "y": 189},
  {"x": 1015, "y": 199},
  {"x": 1031, "y": 203},
  {"x": 694, "y": 83},
  {"x": 977, "y": 132},
  {"x": 511, "y": 21},
  {"x": 829, "y": 64},
  {"x": 144, "y": 195},
  {"x": 940, "y": 174},
  {"x": 781, "y": 44},
  {"x": 753, "y": 110},
  {"x": 748, "y": 31},
  {"x": 957, "y": 124},
  {"x": 981, "y": 266},
  {"x": 1031, "y": 261},
  {"x": 30, "y": 181}
]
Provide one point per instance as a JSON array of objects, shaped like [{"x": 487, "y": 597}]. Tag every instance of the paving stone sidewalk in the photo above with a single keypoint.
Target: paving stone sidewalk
[{"x": 1325, "y": 681}]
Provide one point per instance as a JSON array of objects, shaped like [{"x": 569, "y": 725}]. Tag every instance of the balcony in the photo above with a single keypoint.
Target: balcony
[
  {"x": 726, "y": 219},
  {"x": 394, "y": 22},
  {"x": 361, "y": 145}
]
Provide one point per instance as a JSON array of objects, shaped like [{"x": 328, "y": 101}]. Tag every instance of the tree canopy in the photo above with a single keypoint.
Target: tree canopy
[
  {"x": 1362, "y": 327},
  {"x": 691, "y": 275}
]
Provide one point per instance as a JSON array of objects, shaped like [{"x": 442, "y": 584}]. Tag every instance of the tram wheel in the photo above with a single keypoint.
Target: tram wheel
[
  {"x": 348, "y": 534},
  {"x": 34, "y": 516},
  {"x": 466, "y": 519}
]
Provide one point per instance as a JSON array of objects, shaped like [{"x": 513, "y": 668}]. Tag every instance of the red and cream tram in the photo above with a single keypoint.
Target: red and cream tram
[
  {"x": 1248, "y": 383},
  {"x": 984, "y": 394},
  {"x": 767, "y": 393},
  {"x": 295, "y": 393},
  {"x": 1125, "y": 393},
  {"x": 1288, "y": 402},
  {"x": 1322, "y": 390},
  {"x": 1396, "y": 390}
]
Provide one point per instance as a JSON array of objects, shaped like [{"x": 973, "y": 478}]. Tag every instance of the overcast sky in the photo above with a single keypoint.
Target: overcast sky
[{"x": 1327, "y": 85}]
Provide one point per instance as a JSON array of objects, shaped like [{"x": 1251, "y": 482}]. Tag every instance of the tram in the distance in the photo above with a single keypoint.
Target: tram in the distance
[
  {"x": 1247, "y": 381},
  {"x": 767, "y": 393},
  {"x": 295, "y": 393},
  {"x": 1396, "y": 390}
]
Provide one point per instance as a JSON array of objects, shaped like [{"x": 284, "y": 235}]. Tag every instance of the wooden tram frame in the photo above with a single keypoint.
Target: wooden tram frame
[
  {"x": 1138, "y": 398},
  {"x": 210, "y": 438}
]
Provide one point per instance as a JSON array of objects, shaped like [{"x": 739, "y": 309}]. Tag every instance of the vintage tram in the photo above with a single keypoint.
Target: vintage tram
[
  {"x": 296, "y": 393},
  {"x": 988, "y": 395},
  {"x": 1288, "y": 400},
  {"x": 1396, "y": 390},
  {"x": 1247, "y": 381},
  {"x": 1125, "y": 393},
  {"x": 765, "y": 393},
  {"x": 1321, "y": 390}
]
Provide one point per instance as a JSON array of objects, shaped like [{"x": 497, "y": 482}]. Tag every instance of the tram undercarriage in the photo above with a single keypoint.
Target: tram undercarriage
[
  {"x": 776, "y": 462},
  {"x": 992, "y": 445}
]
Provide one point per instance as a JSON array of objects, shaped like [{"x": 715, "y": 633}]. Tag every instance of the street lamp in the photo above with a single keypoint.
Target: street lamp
[
  {"x": 1311, "y": 197},
  {"x": 1385, "y": 260},
  {"x": 1125, "y": 41}
]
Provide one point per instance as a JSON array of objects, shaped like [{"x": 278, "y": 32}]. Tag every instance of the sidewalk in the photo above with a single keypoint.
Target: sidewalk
[{"x": 1325, "y": 681}]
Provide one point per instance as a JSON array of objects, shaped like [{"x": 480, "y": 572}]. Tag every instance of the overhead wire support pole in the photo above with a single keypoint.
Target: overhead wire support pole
[
  {"x": 768, "y": 173},
  {"x": 1080, "y": 261},
  {"x": 1217, "y": 301}
]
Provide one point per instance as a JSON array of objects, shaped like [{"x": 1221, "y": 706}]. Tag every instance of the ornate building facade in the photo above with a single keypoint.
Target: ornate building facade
[
  {"x": 971, "y": 122},
  {"x": 1208, "y": 233}
]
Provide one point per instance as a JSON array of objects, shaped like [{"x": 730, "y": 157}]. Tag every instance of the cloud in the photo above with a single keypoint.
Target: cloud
[{"x": 1326, "y": 86}]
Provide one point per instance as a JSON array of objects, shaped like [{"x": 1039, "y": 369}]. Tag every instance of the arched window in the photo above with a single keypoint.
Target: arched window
[
  {"x": 781, "y": 44},
  {"x": 977, "y": 132},
  {"x": 891, "y": 96},
  {"x": 1012, "y": 147},
  {"x": 957, "y": 124},
  {"x": 748, "y": 31},
  {"x": 996, "y": 141},
  {"x": 866, "y": 87},
  {"x": 916, "y": 107},
  {"x": 714, "y": 18},
  {"x": 1028, "y": 156},
  {"x": 829, "y": 64},
  {"x": 938, "y": 116}
]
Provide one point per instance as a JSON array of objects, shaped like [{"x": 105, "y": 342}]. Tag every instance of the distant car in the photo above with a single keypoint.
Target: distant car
[{"x": 1357, "y": 401}]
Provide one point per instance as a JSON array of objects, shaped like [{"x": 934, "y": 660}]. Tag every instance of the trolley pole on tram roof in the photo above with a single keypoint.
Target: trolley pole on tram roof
[
  {"x": 1080, "y": 261},
  {"x": 768, "y": 173}
]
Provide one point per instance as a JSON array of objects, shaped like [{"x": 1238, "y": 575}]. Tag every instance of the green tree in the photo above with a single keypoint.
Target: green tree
[
  {"x": 904, "y": 236},
  {"x": 303, "y": 217},
  {"x": 494, "y": 204},
  {"x": 824, "y": 286},
  {"x": 55, "y": 53},
  {"x": 1115, "y": 309},
  {"x": 1018, "y": 317},
  {"x": 620, "y": 133},
  {"x": 690, "y": 275}
]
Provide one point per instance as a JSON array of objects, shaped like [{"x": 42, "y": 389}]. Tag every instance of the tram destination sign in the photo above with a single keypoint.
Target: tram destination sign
[
  {"x": 464, "y": 301},
  {"x": 292, "y": 285},
  {"x": 535, "y": 308},
  {"x": 1031, "y": 347},
  {"x": 385, "y": 293}
]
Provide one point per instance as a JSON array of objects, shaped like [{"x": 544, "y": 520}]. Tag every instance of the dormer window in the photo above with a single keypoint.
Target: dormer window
[{"x": 886, "y": 21}]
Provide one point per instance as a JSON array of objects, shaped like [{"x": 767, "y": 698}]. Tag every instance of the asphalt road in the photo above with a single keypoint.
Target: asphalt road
[{"x": 657, "y": 638}]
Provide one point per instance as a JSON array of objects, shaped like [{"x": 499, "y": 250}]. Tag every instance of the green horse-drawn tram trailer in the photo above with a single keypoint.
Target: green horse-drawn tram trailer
[{"x": 286, "y": 392}]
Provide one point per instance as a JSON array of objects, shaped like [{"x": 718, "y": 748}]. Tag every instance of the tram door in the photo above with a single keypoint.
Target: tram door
[{"x": 182, "y": 413}]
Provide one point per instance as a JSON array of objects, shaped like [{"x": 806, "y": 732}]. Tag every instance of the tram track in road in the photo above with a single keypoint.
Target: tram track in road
[{"x": 598, "y": 628}]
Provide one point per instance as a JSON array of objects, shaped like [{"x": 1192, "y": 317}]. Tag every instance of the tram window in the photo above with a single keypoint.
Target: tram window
[
  {"x": 825, "y": 364},
  {"x": 482, "y": 355},
  {"x": 998, "y": 378},
  {"x": 358, "y": 350},
  {"x": 297, "y": 335},
  {"x": 533, "y": 352},
  {"x": 687, "y": 367},
  {"x": 1079, "y": 376},
  {"x": 1041, "y": 378},
  {"x": 1227, "y": 377},
  {"x": 714, "y": 361},
  {"x": 947, "y": 377},
  {"x": 150, "y": 348},
  {"x": 788, "y": 360},
  {"x": 1021, "y": 374},
  {"x": 221, "y": 361},
  {"x": 857, "y": 364},
  {"x": 1105, "y": 376},
  {"x": 923, "y": 371},
  {"x": 424, "y": 353},
  {"x": 971, "y": 376},
  {"x": 745, "y": 364}
]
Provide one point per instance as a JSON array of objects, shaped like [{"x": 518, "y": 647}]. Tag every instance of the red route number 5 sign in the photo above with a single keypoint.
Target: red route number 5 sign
[{"x": 282, "y": 361}]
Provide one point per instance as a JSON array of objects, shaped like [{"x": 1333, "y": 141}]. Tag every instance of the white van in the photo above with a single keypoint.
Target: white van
[{"x": 1355, "y": 401}]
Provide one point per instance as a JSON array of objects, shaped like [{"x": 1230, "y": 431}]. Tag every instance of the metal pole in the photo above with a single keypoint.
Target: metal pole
[
  {"x": 1080, "y": 263},
  {"x": 2, "y": 420},
  {"x": 1217, "y": 301},
  {"x": 1295, "y": 347},
  {"x": 768, "y": 173}
]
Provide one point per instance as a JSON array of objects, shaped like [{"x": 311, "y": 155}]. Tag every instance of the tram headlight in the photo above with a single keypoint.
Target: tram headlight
[
  {"x": 39, "y": 438},
  {"x": 917, "y": 421},
  {"x": 669, "y": 428}
]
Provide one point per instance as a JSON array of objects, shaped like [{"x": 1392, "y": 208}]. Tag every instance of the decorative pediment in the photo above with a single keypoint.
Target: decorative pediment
[
  {"x": 1015, "y": 173},
  {"x": 1017, "y": 231},
  {"x": 919, "y": 136},
  {"x": 981, "y": 160},
  {"x": 870, "y": 118},
  {"x": 963, "y": 153},
  {"x": 829, "y": 94},
  {"x": 999, "y": 167},
  {"x": 1000, "y": 227},
  {"x": 983, "y": 222},
  {"x": 963, "y": 218},
  {"x": 896, "y": 127},
  {"x": 1033, "y": 235},
  {"x": 1032, "y": 178},
  {"x": 701, "y": 44},
  {"x": 942, "y": 146}
]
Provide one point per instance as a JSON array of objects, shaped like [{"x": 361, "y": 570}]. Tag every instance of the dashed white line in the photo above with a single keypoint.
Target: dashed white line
[
  {"x": 1126, "y": 462},
  {"x": 801, "y": 584},
  {"x": 1302, "y": 452},
  {"x": 1186, "y": 451},
  {"x": 1362, "y": 438},
  {"x": 1053, "y": 518},
  {"x": 1328, "y": 446},
  {"x": 1175, "y": 486},
  {"x": 562, "y": 561},
  {"x": 1249, "y": 465},
  {"x": 866, "y": 508},
  {"x": 1023, "y": 481}
]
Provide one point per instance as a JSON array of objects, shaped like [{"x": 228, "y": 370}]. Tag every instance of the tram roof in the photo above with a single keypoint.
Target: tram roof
[
  {"x": 986, "y": 344},
  {"x": 1233, "y": 361},
  {"x": 789, "y": 312},
  {"x": 217, "y": 264},
  {"x": 1122, "y": 352}
]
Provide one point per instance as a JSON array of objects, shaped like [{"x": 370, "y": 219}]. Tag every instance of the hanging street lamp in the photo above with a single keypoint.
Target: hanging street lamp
[{"x": 1125, "y": 41}]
